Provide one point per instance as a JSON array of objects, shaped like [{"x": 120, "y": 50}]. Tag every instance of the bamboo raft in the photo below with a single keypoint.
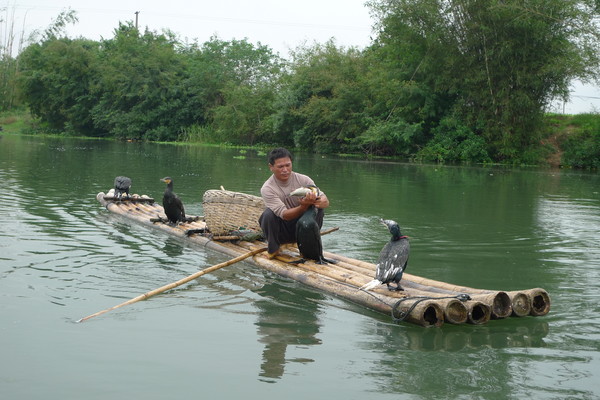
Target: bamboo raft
[{"x": 424, "y": 302}]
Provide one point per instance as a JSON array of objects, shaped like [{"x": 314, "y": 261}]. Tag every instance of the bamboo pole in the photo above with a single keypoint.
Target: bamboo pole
[
  {"x": 178, "y": 283},
  {"x": 539, "y": 300},
  {"x": 520, "y": 302},
  {"x": 337, "y": 280},
  {"x": 455, "y": 311},
  {"x": 426, "y": 313},
  {"x": 500, "y": 302}
]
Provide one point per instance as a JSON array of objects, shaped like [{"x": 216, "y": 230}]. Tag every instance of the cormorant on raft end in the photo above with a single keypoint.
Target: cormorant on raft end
[
  {"x": 122, "y": 186},
  {"x": 393, "y": 259}
]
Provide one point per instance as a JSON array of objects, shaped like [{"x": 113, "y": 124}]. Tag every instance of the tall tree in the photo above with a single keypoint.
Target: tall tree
[
  {"x": 138, "y": 85},
  {"x": 234, "y": 83},
  {"x": 56, "y": 77},
  {"x": 499, "y": 62},
  {"x": 321, "y": 103}
]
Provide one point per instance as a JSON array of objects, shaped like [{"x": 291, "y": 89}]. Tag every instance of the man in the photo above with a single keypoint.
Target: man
[{"x": 278, "y": 221}]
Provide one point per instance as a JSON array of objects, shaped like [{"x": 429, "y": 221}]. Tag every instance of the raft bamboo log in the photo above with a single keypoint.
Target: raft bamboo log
[
  {"x": 425, "y": 313},
  {"x": 520, "y": 303},
  {"x": 331, "y": 279},
  {"x": 344, "y": 278},
  {"x": 539, "y": 300},
  {"x": 499, "y": 302},
  {"x": 542, "y": 298},
  {"x": 177, "y": 283}
]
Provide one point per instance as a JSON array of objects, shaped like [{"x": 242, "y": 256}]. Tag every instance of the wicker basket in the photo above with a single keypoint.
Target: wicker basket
[{"x": 226, "y": 211}]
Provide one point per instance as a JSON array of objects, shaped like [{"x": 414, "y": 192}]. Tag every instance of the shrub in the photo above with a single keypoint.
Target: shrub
[{"x": 452, "y": 142}]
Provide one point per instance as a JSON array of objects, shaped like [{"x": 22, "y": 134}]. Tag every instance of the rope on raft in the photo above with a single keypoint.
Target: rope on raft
[{"x": 403, "y": 314}]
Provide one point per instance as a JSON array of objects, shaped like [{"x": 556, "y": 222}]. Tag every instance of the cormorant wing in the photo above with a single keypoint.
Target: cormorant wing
[{"x": 392, "y": 260}]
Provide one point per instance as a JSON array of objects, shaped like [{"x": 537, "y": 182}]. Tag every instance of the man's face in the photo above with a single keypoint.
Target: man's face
[{"x": 282, "y": 168}]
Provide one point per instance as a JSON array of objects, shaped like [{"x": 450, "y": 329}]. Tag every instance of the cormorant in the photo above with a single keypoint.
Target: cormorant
[
  {"x": 308, "y": 232},
  {"x": 122, "y": 186},
  {"x": 171, "y": 203},
  {"x": 393, "y": 259}
]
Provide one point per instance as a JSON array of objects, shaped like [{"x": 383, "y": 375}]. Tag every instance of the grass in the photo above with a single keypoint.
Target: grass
[{"x": 18, "y": 121}]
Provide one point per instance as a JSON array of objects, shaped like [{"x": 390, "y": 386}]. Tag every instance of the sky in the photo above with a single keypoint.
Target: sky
[{"x": 282, "y": 25}]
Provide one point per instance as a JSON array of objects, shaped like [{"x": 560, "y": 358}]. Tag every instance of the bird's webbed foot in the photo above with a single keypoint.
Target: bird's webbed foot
[
  {"x": 325, "y": 261},
  {"x": 299, "y": 261},
  {"x": 398, "y": 288},
  {"x": 160, "y": 219}
]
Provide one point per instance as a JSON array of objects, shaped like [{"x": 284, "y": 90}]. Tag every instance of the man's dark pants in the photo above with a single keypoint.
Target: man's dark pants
[{"x": 277, "y": 231}]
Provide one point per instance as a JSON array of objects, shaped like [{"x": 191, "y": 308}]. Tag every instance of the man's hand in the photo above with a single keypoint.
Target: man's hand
[{"x": 309, "y": 200}]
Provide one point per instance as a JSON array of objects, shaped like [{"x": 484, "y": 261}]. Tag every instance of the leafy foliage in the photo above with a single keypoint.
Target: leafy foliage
[
  {"x": 583, "y": 149},
  {"x": 454, "y": 142},
  {"x": 444, "y": 81}
]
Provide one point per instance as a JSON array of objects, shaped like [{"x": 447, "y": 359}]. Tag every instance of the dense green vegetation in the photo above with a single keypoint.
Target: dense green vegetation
[{"x": 444, "y": 81}]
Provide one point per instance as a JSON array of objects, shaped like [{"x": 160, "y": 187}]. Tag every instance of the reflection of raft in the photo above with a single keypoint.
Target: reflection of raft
[{"x": 424, "y": 301}]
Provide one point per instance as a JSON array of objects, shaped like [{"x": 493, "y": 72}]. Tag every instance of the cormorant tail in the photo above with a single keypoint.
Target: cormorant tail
[{"x": 373, "y": 284}]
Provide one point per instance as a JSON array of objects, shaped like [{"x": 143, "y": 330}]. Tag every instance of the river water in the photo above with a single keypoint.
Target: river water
[{"x": 242, "y": 332}]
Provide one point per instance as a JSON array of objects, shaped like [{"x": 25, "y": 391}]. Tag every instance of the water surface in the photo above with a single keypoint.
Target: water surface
[{"x": 242, "y": 331}]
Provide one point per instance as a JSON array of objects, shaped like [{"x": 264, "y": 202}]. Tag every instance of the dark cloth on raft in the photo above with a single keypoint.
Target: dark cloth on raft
[{"x": 278, "y": 231}]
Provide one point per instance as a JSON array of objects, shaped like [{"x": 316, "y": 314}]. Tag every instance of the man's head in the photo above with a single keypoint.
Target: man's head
[
  {"x": 280, "y": 163},
  {"x": 279, "y": 152}
]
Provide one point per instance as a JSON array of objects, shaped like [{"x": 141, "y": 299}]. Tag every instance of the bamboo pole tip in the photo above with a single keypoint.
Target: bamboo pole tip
[
  {"x": 433, "y": 315},
  {"x": 479, "y": 313},
  {"x": 455, "y": 312},
  {"x": 540, "y": 302},
  {"x": 501, "y": 305},
  {"x": 521, "y": 304}
]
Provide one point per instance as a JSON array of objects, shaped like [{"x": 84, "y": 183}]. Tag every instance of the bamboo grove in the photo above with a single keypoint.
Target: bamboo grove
[{"x": 443, "y": 80}]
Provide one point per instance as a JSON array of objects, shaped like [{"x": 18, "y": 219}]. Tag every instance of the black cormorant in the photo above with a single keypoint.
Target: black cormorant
[
  {"x": 393, "y": 259},
  {"x": 172, "y": 204},
  {"x": 308, "y": 232},
  {"x": 122, "y": 186}
]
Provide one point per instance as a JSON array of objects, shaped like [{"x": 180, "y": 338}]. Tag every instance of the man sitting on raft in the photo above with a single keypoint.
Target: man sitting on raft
[{"x": 278, "y": 221}]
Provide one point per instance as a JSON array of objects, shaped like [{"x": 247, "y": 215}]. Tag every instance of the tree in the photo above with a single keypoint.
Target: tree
[
  {"x": 497, "y": 64},
  {"x": 56, "y": 76},
  {"x": 321, "y": 102},
  {"x": 12, "y": 43},
  {"x": 138, "y": 89},
  {"x": 233, "y": 83}
]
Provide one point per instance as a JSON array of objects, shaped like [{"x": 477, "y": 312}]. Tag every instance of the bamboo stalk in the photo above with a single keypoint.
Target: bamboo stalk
[
  {"x": 177, "y": 283},
  {"x": 520, "y": 302},
  {"x": 455, "y": 311},
  {"x": 499, "y": 301},
  {"x": 540, "y": 301},
  {"x": 335, "y": 279},
  {"x": 426, "y": 313}
]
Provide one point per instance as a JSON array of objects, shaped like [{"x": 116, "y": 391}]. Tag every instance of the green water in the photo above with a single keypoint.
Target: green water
[{"x": 242, "y": 332}]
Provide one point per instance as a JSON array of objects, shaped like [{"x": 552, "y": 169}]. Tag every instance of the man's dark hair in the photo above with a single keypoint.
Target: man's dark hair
[{"x": 278, "y": 153}]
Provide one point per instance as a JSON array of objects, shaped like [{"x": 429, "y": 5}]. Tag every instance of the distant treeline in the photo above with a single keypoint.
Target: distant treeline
[{"x": 445, "y": 80}]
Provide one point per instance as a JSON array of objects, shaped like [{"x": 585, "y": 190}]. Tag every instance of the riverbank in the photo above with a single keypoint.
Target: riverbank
[{"x": 569, "y": 141}]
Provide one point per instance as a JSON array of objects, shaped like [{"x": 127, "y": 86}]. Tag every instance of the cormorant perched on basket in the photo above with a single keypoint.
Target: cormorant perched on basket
[
  {"x": 171, "y": 203},
  {"x": 393, "y": 259},
  {"x": 308, "y": 234},
  {"x": 122, "y": 186}
]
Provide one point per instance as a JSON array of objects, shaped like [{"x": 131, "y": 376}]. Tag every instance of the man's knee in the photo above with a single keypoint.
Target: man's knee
[{"x": 266, "y": 218}]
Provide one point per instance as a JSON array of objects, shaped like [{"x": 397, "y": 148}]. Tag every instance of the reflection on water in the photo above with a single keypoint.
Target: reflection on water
[
  {"x": 286, "y": 317},
  {"x": 452, "y": 360}
]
